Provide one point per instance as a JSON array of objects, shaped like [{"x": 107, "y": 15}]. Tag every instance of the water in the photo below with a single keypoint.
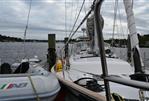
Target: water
[
  {"x": 13, "y": 51},
  {"x": 122, "y": 53}
]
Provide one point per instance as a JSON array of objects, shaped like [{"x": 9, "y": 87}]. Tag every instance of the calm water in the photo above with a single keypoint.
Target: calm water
[
  {"x": 13, "y": 52},
  {"x": 122, "y": 53}
]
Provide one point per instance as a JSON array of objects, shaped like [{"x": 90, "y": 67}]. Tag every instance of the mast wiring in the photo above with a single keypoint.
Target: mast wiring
[
  {"x": 26, "y": 28},
  {"x": 27, "y": 22},
  {"x": 76, "y": 9},
  {"x": 65, "y": 18},
  {"x": 83, "y": 20},
  {"x": 114, "y": 21},
  {"x": 71, "y": 16},
  {"x": 85, "y": 9},
  {"x": 77, "y": 18}
]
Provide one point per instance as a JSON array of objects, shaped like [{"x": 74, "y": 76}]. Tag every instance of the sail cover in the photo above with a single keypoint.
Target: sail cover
[
  {"x": 90, "y": 30},
  {"x": 90, "y": 27}
]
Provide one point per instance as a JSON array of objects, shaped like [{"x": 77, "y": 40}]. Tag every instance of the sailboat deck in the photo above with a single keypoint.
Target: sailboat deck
[{"x": 93, "y": 65}]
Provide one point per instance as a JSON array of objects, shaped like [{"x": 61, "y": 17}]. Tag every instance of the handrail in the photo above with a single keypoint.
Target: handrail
[
  {"x": 93, "y": 95},
  {"x": 128, "y": 82},
  {"x": 105, "y": 76}
]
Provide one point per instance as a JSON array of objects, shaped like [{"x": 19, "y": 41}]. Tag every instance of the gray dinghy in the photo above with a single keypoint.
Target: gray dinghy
[{"x": 35, "y": 85}]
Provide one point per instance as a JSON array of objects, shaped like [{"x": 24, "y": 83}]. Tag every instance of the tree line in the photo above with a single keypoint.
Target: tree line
[{"x": 143, "y": 40}]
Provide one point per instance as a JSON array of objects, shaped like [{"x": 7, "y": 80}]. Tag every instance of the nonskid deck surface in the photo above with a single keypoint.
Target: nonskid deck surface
[
  {"x": 93, "y": 65},
  {"x": 87, "y": 67}
]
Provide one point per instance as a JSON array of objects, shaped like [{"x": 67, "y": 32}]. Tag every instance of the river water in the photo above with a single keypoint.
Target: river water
[
  {"x": 14, "y": 51},
  {"x": 122, "y": 53}
]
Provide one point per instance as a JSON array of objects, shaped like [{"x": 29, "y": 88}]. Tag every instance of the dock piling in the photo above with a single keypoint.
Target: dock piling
[
  {"x": 66, "y": 52},
  {"x": 51, "y": 56}
]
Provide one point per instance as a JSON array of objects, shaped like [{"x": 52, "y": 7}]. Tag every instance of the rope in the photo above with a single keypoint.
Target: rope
[{"x": 34, "y": 89}]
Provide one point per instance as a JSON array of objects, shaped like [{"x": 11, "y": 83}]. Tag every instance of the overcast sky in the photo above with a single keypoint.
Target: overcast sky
[{"x": 48, "y": 16}]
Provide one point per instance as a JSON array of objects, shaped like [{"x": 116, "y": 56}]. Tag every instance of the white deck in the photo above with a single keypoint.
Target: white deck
[
  {"x": 93, "y": 65},
  {"x": 78, "y": 67}
]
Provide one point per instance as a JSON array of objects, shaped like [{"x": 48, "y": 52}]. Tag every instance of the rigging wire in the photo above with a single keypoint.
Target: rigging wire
[
  {"x": 120, "y": 21},
  {"x": 71, "y": 32},
  {"x": 65, "y": 18},
  {"x": 77, "y": 10},
  {"x": 85, "y": 14},
  {"x": 114, "y": 21},
  {"x": 26, "y": 28},
  {"x": 77, "y": 17},
  {"x": 85, "y": 9},
  {"x": 121, "y": 26},
  {"x": 83, "y": 20},
  {"x": 71, "y": 16},
  {"x": 122, "y": 54},
  {"x": 78, "y": 27}
]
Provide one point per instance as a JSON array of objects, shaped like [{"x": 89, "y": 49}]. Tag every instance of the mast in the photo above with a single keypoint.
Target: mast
[
  {"x": 99, "y": 26},
  {"x": 135, "y": 50}
]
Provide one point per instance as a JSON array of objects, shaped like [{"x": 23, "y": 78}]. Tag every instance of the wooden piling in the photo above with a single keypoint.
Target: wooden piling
[
  {"x": 66, "y": 46},
  {"x": 66, "y": 51},
  {"x": 51, "y": 57}
]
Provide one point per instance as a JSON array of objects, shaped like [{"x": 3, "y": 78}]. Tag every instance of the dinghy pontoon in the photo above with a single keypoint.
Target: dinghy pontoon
[{"x": 28, "y": 82}]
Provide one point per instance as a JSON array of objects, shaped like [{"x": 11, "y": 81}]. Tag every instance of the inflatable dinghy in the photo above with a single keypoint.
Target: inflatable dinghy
[{"x": 28, "y": 82}]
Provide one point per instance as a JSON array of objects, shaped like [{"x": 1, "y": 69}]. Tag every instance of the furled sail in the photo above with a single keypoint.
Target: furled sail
[
  {"x": 135, "y": 51},
  {"x": 91, "y": 32}
]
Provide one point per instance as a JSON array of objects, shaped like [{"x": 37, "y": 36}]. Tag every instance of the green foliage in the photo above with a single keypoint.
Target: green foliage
[
  {"x": 117, "y": 42},
  {"x": 143, "y": 41},
  {"x": 8, "y": 39}
]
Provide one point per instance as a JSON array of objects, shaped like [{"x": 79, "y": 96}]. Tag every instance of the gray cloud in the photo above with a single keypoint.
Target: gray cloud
[{"x": 48, "y": 16}]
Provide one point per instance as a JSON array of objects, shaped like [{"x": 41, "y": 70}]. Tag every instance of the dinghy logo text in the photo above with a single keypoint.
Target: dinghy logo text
[{"x": 12, "y": 85}]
